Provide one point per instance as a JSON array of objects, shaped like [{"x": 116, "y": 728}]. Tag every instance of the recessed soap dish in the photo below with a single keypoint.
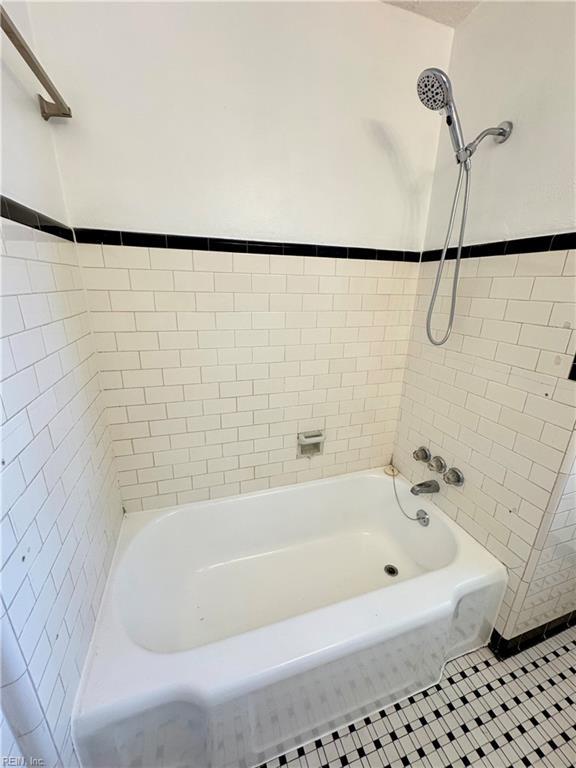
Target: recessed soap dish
[{"x": 310, "y": 443}]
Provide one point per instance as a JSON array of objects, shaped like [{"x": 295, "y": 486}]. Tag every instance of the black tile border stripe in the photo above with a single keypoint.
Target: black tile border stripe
[
  {"x": 558, "y": 242},
  {"x": 29, "y": 217},
  {"x": 503, "y": 648},
  {"x": 152, "y": 240},
  {"x": 14, "y": 211},
  {"x": 541, "y": 244}
]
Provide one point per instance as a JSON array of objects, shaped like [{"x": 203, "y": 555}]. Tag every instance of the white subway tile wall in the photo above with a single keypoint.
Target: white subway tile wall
[
  {"x": 495, "y": 402},
  {"x": 548, "y": 588},
  {"x": 211, "y": 363},
  {"x": 207, "y": 365},
  {"x": 60, "y": 506}
]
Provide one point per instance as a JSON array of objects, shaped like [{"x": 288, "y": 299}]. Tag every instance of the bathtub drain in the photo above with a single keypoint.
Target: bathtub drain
[{"x": 391, "y": 570}]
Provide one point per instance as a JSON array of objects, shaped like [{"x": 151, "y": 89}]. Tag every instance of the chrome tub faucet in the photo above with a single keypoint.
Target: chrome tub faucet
[{"x": 428, "y": 486}]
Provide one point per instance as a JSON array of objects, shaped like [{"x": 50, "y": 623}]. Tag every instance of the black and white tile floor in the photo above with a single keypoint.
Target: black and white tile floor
[{"x": 516, "y": 713}]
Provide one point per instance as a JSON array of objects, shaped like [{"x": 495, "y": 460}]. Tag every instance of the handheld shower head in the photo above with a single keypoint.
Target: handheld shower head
[
  {"x": 435, "y": 92},
  {"x": 434, "y": 89}
]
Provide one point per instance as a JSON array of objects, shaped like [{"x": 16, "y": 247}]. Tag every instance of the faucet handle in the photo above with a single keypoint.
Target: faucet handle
[
  {"x": 421, "y": 454},
  {"x": 437, "y": 464},
  {"x": 454, "y": 476}
]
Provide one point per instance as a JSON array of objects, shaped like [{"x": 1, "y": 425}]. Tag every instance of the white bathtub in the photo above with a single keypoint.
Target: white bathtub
[{"x": 231, "y": 631}]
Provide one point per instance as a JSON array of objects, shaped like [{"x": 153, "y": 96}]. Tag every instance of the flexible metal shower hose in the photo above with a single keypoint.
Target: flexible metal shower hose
[
  {"x": 464, "y": 170},
  {"x": 394, "y": 473}
]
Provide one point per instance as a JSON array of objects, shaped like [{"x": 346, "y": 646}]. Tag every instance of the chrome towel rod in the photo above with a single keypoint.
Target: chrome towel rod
[{"x": 48, "y": 109}]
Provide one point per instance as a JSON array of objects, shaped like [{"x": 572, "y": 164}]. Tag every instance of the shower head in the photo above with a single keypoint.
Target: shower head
[
  {"x": 434, "y": 89},
  {"x": 435, "y": 92}
]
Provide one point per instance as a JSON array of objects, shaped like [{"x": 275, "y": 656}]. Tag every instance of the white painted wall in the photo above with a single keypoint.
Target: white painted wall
[
  {"x": 29, "y": 167},
  {"x": 513, "y": 61},
  {"x": 292, "y": 121},
  {"x": 282, "y": 121}
]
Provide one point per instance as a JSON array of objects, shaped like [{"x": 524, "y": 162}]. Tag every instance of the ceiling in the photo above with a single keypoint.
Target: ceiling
[{"x": 449, "y": 12}]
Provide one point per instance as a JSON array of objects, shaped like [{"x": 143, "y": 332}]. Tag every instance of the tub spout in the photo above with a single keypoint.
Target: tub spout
[{"x": 428, "y": 486}]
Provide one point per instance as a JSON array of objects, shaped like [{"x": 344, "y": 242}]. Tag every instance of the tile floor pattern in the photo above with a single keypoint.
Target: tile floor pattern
[{"x": 516, "y": 713}]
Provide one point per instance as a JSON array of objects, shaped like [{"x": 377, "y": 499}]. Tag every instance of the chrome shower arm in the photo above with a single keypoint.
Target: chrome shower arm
[{"x": 500, "y": 133}]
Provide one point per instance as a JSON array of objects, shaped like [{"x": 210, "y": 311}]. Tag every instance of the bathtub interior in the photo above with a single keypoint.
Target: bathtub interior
[{"x": 291, "y": 551}]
